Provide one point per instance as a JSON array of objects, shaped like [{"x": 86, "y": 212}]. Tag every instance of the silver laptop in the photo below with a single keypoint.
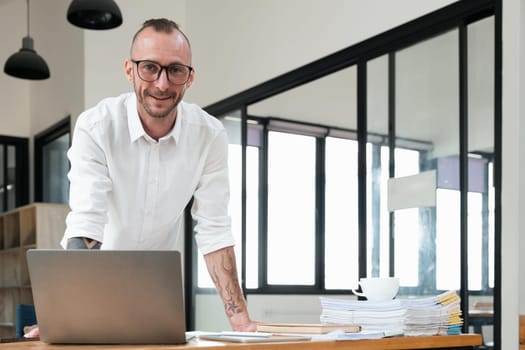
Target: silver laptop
[{"x": 108, "y": 296}]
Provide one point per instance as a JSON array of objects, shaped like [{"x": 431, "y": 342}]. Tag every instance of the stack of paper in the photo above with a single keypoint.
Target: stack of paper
[
  {"x": 386, "y": 317},
  {"x": 433, "y": 315}
]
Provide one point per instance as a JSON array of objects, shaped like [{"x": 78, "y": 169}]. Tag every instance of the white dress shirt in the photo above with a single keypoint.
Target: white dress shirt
[{"x": 129, "y": 191}]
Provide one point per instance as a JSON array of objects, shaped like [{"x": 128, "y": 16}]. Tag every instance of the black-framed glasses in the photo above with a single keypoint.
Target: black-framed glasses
[{"x": 150, "y": 71}]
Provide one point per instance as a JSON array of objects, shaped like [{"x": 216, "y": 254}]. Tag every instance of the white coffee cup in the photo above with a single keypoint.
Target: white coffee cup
[{"x": 378, "y": 288}]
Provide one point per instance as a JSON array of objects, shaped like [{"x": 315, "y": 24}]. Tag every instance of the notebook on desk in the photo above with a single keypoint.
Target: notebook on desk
[{"x": 108, "y": 297}]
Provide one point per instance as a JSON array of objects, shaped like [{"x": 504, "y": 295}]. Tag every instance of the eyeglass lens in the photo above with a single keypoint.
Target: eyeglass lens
[{"x": 151, "y": 71}]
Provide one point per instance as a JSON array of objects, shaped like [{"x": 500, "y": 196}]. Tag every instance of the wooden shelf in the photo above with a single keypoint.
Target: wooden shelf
[
  {"x": 9, "y": 250},
  {"x": 38, "y": 225},
  {"x": 27, "y": 233},
  {"x": 11, "y": 230}
]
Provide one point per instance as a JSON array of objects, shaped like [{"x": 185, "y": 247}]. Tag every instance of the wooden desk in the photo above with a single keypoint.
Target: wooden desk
[
  {"x": 465, "y": 341},
  {"x": 522, "y": 332}
]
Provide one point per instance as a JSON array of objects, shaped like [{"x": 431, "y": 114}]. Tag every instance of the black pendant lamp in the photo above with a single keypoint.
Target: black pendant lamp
[
  {"x": 26, "y": 63},
  {"x": 94, "y": 14}
]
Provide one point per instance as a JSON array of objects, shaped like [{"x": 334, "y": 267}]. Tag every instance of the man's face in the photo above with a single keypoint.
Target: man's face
[{"x": 158, "y": 99}]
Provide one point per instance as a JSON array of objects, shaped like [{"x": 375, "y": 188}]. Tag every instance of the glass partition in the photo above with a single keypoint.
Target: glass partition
[
  {"x": 378, "y": 166},
  {"x": 481, "y": 198},
  {"x": 304, "y": 220},
  {"x": 426, "y": 233},
  {"x": 311, "y": 191}
]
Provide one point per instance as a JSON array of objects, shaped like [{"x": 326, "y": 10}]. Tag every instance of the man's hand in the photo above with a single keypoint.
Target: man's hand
[
  {"x": 242, "y": 323},
  {"x": 223, "y": 271},
  {"x": 82, "y": 243}
]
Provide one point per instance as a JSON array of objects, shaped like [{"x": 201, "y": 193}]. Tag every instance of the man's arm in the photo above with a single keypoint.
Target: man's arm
[
  {"x": 223, "y": 271},
  {"x": 90, "y": 183}
]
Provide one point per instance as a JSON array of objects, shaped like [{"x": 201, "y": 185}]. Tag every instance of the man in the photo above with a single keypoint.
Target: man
[{"x": 138, "y": 159}]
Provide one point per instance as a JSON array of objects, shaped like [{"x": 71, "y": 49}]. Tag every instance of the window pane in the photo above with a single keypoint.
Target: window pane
[
  {"x": 475, "y": 240},
  {"x": 481, "y": 134},
  {"x": 408, "y": 231},
  {"x": 377, "y": 156},
  {"x": 55, "y": 168},
  {"x": 235, "y": 205},
  {"x": 408, "y": 227},
  {"x": 481, "y": 112},
  {"x": 427, "y": 123},
  {"x": 378, "y": 222},
  {"x": 384, "y": 217},
  {"x": 252, "y": 217},
  {"x": 491, "y": 239},
  {"x": 407, "y": 162},
  {"x": 291, "y": 209},
  {"x": 448, "y": 239},
  {"x": 2, "y": 179},
  {"x": 341, "y": 220},
  {"x": 11, "y": 177}
]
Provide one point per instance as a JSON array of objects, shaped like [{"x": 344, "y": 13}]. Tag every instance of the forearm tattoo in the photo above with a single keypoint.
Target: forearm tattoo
[
  {"x": 82, "y": 243},
  {"x": 230, "y": 292}
]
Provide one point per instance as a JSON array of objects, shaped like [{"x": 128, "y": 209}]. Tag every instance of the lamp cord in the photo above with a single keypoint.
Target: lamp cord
[{"x": 27, "y": 9}]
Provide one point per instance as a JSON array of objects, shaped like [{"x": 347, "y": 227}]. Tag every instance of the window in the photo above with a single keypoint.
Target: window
[
  {"x": 14, "y": 179},
  {"x": 292, "y": 198},
  {"x": 51, "y": 163},
  {"x": 291, "y": 209},
  {"x": 341, "y": 229}
]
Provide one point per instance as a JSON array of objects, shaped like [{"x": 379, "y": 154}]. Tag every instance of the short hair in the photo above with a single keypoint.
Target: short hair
[{"x": 160, "y": 25}]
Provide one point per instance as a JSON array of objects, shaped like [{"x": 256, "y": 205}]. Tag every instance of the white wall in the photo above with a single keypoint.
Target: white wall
[
  {"x": 60, "y": 44},
  {"x": 31, "y": 106},
  {"x": 513, "y": 284},
  {"x": 519, "y": 97},
  {"x": 14, "y": 93},
  {"x": 238, "y": 44}
]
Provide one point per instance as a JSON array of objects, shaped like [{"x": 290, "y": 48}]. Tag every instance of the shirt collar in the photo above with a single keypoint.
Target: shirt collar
[
  {"x": 136, "y": 130},
  {"x": 135, "y": 126},
  {"x": 175, "y": 132}
]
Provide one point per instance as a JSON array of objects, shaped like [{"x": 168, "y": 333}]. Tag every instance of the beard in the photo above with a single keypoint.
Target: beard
[{"x": 146, "y": 96}]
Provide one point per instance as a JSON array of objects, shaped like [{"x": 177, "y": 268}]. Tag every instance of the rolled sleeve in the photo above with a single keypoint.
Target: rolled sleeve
[{"x": 211, "y": 198}]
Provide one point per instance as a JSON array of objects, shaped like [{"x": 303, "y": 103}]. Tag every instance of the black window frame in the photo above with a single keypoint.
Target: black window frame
[
  {"x": 21, "y": 146},
  {"x": 43, "y": 138}
]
